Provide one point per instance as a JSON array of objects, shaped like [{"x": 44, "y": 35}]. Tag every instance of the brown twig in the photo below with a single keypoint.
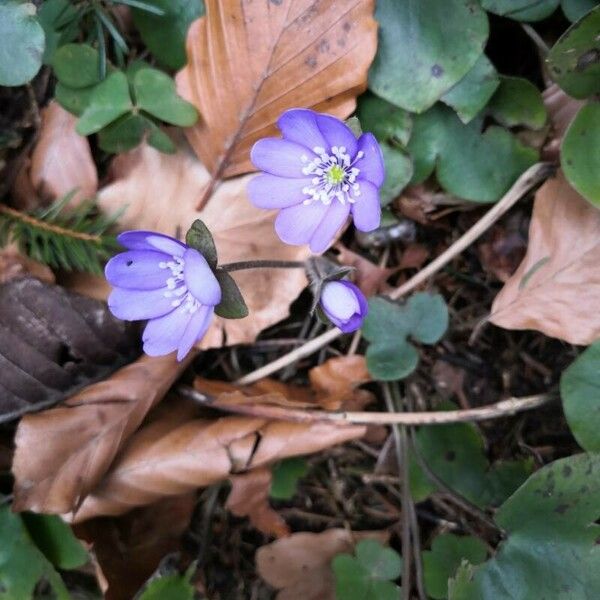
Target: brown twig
[
  {"x": 521, "y": 187},
  {"x": 504, "y": 408}
]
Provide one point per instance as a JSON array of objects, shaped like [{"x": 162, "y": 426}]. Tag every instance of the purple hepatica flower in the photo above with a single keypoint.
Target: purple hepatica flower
[
  {"x": 317, "y": 175},
  {"x": 344, "y": 305},
  {"x": 161, "y": 280}
]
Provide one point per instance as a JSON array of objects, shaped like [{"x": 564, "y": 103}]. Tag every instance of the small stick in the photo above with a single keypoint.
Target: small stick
[
  {"x": 524, "y": 184},
  {"x": 504, "y": 408}
]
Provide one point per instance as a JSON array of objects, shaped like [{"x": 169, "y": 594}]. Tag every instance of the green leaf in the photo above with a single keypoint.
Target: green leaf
[
  {"x": 472, "y": 92},
  {"x": 232, "y": 304},
  {"x": 367, "y": 576},
  {"x": 173, "y": 587},
  {"x": 580, "y": 393},
  {"x": 398, "y": 172},
  {"x": 56, "y": 540},
  {"x": 22, "y": 564},
  {"x": 109, "y": 101},
  {"x": 165, "y": 35},
  {"x": 200, "y": 238},
  {"x": 425, "y": 48},
  {"x": 551, "y": 547},
  {"x": 158, "y": 139},
  {"x": 446, "y": 554},
  {"x": 521, "y": 10},
  {"x": 59, "y": 20},
  {"x": 72, "y": 99},
  {"x": 155, "y": 93},
  {"x": 470, "y": 164},
  {"x": 77, "y": 65},
  {"x": 286, "y": 475},
  {"x": 574, "y": 61},
  {"x": 580, "y": 153},
  {"x": 390, "y": 355},
  {"x": 384, "y": 120},
  {"x": 21, "y": 42},
  {"x": 124, "y": 134},
  {"x": 575, "y": 9},
  {"x": 518, "y": 102}
]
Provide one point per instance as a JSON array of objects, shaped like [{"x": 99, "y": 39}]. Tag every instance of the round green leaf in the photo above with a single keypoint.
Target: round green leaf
[
  {"x": 425, "y": 48},
  {"x": 446, "y": 554},
  {"x": 158, "y": 139},
  {"x": 384, "y": 120},
  {"x": 109, "y": 101},
  {"x": 379, "y": 561},
  {"x": 155, "y": 93},
  {"x": 398, "y": 172},
  {"x": 518, "y": 102},
  {"x": 428, "y": 317},
  {"x": 21, "y": 42},
  {"x": 124, "y": 134},
  {"x": 59, "y": 20},
  {"x": 574, "y": 61},
  {"x": 580, "y": 393},
  {"x": 286, "y": 475},
  {"x": 390, "y": 362},
  {"x": 77, "y": 65},
  {"x": 551, "y": 548},
  {"x": 472, "y": 92},
  {"x": 521, "y": 10},
  {"x": 575, "y": 9},
  {"x": 580, "y": 153},
  {"x": 72, "y": 99},
  {"x": 165, "y": 35}
]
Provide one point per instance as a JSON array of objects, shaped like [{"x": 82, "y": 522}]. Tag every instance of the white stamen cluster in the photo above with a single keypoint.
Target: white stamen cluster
[
  {"x": 176, "y": 287},
  {"x": 335, "y": 176}
]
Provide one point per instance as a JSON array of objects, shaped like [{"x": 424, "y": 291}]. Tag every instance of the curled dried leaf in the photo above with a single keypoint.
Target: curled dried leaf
[{"x": 62, "y": 453}]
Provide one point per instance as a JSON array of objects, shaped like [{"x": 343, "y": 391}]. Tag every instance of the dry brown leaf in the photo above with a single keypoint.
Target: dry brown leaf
[
  {"x": 161, "y": 191},
  {"x": 250, "y": 61},
  {"x": 556, "y": 289},
  {"x": 129, "y": 548},
  {"x": 300, "y": 565},
  {"x": 249, "y": 497},
  {"x": 169, "y": 457},
  {"x": 62, "y": 453},
  {"x": 62, "y": 161},
  {"x": 370, "y": 278},
  {"x": 15, "y": 264}
]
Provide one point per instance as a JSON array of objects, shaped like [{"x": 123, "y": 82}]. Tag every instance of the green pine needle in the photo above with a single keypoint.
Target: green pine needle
[{"x": 73, "y": 239}]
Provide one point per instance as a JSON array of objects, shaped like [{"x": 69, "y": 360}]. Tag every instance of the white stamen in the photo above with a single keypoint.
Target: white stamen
[{"x": 175, "y": 286}]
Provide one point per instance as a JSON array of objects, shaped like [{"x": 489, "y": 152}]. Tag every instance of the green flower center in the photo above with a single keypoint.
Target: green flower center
[{"x": 335, "y": 174}]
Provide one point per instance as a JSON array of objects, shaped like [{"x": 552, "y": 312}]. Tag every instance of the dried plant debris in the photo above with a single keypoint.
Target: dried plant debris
[{"x": 53, "y": 342}]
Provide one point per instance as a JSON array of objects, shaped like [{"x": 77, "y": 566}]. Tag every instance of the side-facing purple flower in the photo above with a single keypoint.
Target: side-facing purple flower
[
  {"x": 161, "y": 280},
  {"x": 318, "y": 175},
  {"x": 344, "y": 305}
]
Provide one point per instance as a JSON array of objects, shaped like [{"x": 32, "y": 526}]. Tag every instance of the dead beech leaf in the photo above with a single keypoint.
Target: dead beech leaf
[
  {"x": 250, "y": 61},
  {"x": 249, "y": 497},
  {"x": 370, "y": 278},
  {"x": 62, "y": 453},
  {"x": 129, "y": 548},
  {"x": 166, "y": 457},
  {"x": 556, "y": 289},
  {"x": 13, "y": 263},
  {"x": 62, "y": 161},
  {"x": 161, "y": 191},
  {"x": 300, "y": 565}
]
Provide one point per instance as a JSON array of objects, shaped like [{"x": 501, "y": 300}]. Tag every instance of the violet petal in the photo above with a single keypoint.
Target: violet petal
[
  {"x": 199, "y": 278},
  {"x": 295, "y": 225},
  {"x": 371, "y": 164},
  {"x": 337, "y": 133},
  {"x": 162, "y": 335},
  {"x": 195, "y": 329},
  {"x": 339, "y": 301},
  {"x": 366, "y": 211},
  {"x": 270, "y": 191},
  {"x": 150, "y": 240},
  {"x": 139, "y": 305},
  {"x": 280, "y": 157},
  {"x": 300, "y": 125},
  {"x": 332, "y": 222},
  {"x": 138, "y": 270}
]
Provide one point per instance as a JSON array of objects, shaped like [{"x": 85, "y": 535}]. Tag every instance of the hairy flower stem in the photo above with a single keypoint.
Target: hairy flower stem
[{"x": 262, "y": 264}]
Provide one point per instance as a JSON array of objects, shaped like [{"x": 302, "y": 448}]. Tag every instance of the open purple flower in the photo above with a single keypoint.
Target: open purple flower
[
  {"x": 318, "y": 175},
  {"x": 344, "y": 305},
  {"x": 161, "y": 280}
]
